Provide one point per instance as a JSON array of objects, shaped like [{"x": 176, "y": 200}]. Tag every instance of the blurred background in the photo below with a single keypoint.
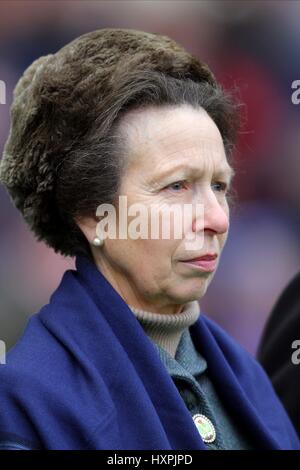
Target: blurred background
[{"x": 252, "y": 47}]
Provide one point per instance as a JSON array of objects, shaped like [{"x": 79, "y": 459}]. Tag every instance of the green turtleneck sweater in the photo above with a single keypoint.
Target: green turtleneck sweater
[{"x": 189, "y": 370}]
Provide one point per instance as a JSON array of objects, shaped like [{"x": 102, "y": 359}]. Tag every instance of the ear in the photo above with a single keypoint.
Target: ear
[{"x": 88, "y": 227}]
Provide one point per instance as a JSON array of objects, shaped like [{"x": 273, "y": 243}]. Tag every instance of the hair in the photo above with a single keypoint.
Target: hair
[{"x": 78, "y": 149}]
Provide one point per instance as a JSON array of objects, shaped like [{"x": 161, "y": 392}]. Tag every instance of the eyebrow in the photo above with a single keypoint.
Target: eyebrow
[{"x": 226, "y": 172}]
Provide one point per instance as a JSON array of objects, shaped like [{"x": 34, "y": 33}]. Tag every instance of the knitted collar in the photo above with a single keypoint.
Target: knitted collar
[{"x": 166, "y": 329}]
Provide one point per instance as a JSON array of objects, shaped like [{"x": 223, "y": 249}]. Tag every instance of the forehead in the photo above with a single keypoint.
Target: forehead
[{"x": 162, "y": 138}]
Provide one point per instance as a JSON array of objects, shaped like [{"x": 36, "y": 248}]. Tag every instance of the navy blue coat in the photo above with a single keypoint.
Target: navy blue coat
[{"x": 84, "y": 375}]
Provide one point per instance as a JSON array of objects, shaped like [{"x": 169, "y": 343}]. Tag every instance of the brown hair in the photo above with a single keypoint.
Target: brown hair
[{"x": 64, "y": 155}]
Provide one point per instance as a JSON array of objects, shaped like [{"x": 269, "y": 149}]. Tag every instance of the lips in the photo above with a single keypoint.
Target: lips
[
  {"x": 207, "y": 257},
  {"x": 207, "y": 263}
]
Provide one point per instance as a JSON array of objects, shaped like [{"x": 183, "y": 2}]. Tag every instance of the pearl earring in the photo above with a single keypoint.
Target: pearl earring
[{"x": 97, "y": 241}]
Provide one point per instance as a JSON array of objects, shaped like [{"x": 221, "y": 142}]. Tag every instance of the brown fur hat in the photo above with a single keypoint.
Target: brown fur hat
[{"x": 39, "y": 124}]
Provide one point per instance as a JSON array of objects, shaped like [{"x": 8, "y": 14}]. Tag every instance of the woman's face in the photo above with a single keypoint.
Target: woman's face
[{"x": 175, "y": 156}]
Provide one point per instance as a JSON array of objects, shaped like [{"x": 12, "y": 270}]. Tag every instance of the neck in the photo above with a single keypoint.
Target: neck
[{"x": 166, "y": 329}]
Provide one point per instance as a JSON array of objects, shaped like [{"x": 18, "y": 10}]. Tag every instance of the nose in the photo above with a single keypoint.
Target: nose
[{"x": 215, "y": 217}]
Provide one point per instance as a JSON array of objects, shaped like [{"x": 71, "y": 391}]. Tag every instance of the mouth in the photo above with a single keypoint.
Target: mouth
[{"x": 207, "y": 262}]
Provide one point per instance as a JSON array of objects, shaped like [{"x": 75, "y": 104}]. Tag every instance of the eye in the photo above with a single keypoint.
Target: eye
[
  {"x": 177, "y": 186},
  {"x": 220, "y": 187}
]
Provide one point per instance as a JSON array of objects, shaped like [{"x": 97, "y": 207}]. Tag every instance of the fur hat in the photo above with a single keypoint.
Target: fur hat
[{"x": 32, "y": 154}]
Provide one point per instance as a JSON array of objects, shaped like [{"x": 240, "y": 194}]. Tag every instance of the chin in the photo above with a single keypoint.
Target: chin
[
  {"x": 198, "y": 292},
  {"x": 189, "y": 295}
]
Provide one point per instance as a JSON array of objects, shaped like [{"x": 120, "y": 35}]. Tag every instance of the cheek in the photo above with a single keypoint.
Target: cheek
[
  {"x": 155, "y": 255},
  {"x": 149, "y": 254},
  {"x": 141, "y": 257}
]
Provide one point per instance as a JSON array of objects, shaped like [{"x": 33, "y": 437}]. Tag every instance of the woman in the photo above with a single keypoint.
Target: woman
[{"x": 120, "y": 357}]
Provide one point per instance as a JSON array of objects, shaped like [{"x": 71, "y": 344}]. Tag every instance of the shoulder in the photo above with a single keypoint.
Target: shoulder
[
  {"x": 45, "y": 398},
  {"x": 26, "y": 386},
  {"x": 244, "y": 365},
  {"x": 231, "y": 349},
  {"x": 251, "y": 377}
]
